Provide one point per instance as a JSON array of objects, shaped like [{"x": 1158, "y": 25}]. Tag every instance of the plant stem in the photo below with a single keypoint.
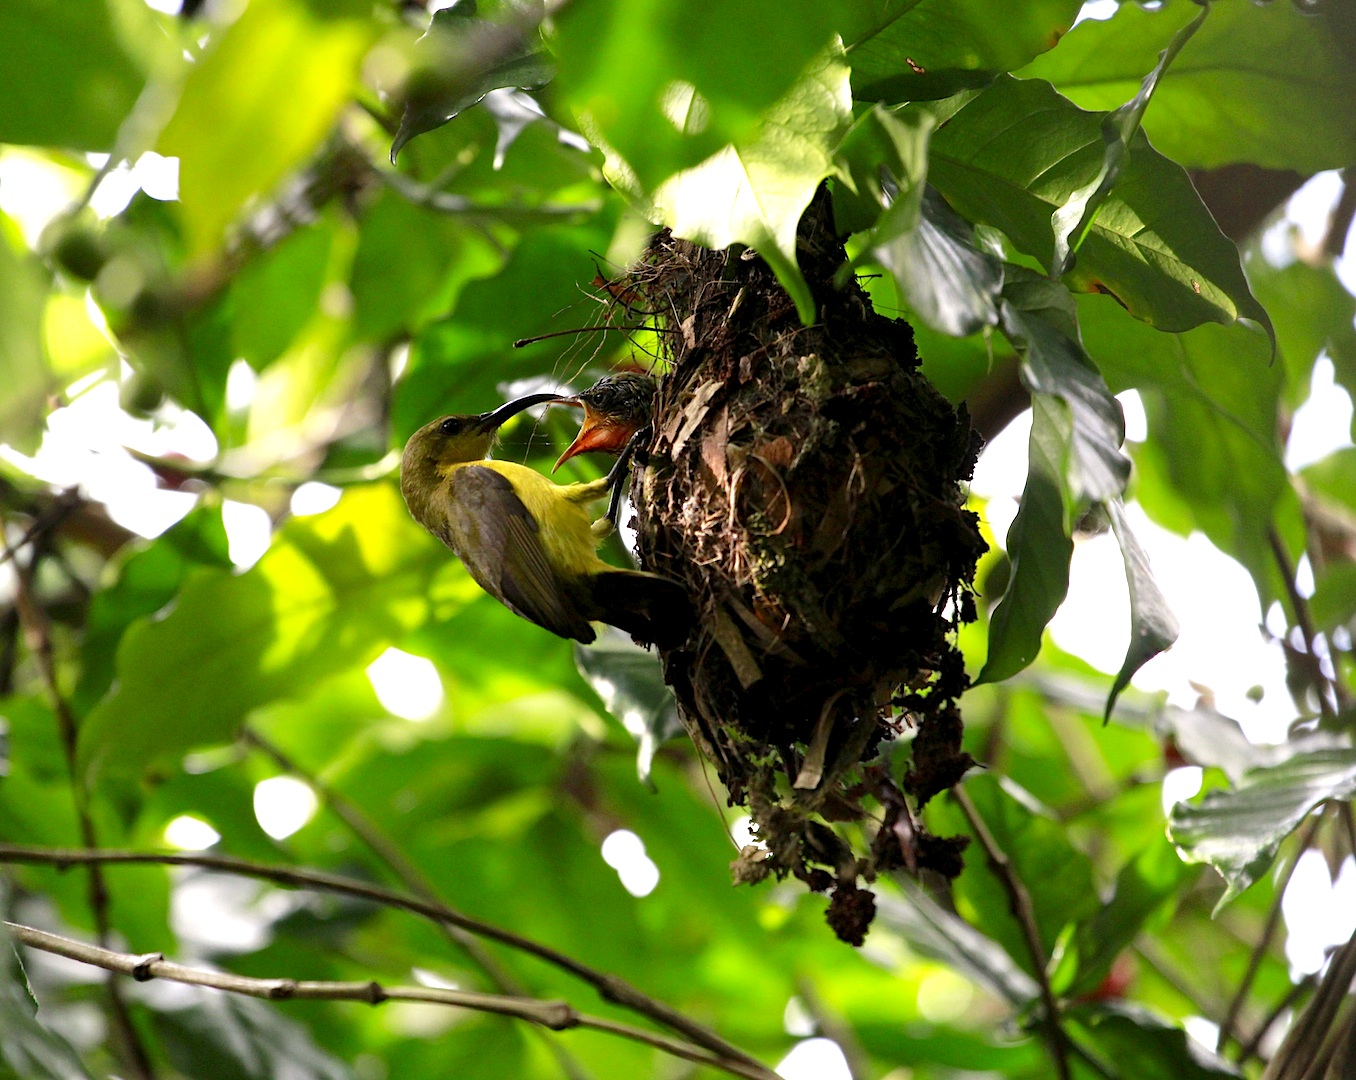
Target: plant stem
[{"x": 1019, "y": 900}]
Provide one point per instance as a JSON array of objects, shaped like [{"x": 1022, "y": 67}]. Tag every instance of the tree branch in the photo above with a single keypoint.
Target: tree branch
[
  {"x": 610, "y": 987},
  {"x": 408, "y": 874},
  {"x": 38, "y": 639},
  {"x": 1020, "y": 902},
  {"x": 555, "y": 1015}
]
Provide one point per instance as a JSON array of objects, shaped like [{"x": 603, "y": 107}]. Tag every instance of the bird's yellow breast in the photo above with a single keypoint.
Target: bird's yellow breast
[{"x": 562, "y": 519}]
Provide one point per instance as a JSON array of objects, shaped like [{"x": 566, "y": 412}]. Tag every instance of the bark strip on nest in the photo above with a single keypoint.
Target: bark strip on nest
[{"x": 804, "y": 484}]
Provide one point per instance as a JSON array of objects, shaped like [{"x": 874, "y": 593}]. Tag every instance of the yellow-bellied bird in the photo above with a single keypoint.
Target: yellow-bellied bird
[{"x": 527, "y": 541}]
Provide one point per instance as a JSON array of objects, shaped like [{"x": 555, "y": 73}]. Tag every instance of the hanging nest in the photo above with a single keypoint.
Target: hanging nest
[{"x": 804, "y": 484}]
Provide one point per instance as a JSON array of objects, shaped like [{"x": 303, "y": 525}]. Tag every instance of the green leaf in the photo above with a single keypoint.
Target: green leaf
[
  {"x": 276, "y": 294},
  {"x": 1135, "y": 1044},
  {"x": 880, "y": 150},
  {"x": 1264, "y": 83},
  {"x": 331, "y": 593},
  {"x": 754, "y": 193},
  {"x": 23, "y": 360},
  {"x": 1153, "y": 627},
  {"x": 1313, "y": 314},
  {"x": 29, "y": 1048},
  {"x": 1239, "y": 831},
  {"x": 1072, "y": 220},
  {"x": 943, "y": 935},
  {"x": 1212, "y": 461},
  {"x": 450, "y": 77},
  {"x": 146, "y": 582},
  {"x": 231, "y": 1037},
  {"x": 1014, "y": 154},
  {"x": 630, "y": 682},
  {"x": 1039, "y": 546},
  {"x": 68, "y": 81},
  {"x": 254, "y": 107},
  {"x": 1039, "y": 318},
  {"x": 665, "y": 84},
  {"x": 1143, "y": 888},
  {"x": 942, "y": 46},
  {"x": 1056, "y": 875}
]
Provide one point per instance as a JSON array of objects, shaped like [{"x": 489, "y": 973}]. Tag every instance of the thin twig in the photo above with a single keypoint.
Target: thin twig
[
  {"x": 1226, "y": 1029},
  {"x": 408, "y": 874},
  {"x": 1249, "y": 1049},
  {"x": 1304, "y": 620},
  {"x": 1020, "y": 902},
  {"x": 38, "y": 639},
  {"x": 610, "y": 987},
  {"x": 555, "y": 1015}
]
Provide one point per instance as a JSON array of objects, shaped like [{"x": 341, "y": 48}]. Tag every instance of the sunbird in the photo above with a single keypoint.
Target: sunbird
[{"x": 528, "y": 541}]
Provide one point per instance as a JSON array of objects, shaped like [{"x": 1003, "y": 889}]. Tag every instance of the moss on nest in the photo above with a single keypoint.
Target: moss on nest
[{"x": 804, "y": 483}]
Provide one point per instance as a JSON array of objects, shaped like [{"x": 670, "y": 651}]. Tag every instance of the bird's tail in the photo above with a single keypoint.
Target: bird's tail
[{"x": 647, "y": 606}]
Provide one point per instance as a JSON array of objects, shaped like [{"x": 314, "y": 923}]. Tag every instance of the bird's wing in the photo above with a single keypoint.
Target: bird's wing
[{"x": 498, "y": 540}]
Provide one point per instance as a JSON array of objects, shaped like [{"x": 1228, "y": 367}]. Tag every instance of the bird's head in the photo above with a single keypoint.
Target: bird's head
[
  {"x": 455, "y": 440},
  {"x": 615, "y": 408}
]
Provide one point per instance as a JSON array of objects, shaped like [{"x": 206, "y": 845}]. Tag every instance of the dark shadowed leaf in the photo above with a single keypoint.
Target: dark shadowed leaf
[
  {"x": 1137, "y": 1045},
  {"x": 942, "y": 46},
  {"x": 1072, "y": 220},
  {"x": 28, "y": 1047},
  {"x": 1153, "y": 627},
  {"x": 230, "y": 1037},
  {"x": 1012, "y": 155},
  {"x": 1039, "y": 318},
  {"x": 631, "y": 684},
  {"x": 1238, "y": 831},
  {"x": 1144, "y": 887},
  {"x": 1039, "y": 546}
]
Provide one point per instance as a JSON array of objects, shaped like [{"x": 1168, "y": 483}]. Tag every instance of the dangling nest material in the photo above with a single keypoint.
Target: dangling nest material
[{"x": 804, "y": 483}]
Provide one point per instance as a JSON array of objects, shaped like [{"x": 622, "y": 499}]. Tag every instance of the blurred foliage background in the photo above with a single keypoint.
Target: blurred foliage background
[{"x": 222, "y": 311}]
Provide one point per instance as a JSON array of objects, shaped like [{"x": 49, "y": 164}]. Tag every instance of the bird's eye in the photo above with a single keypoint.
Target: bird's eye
[{"x": 450, "y": 426}]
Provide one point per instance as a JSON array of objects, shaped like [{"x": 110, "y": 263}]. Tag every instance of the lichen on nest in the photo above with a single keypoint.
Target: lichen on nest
[{"x": 804, "y": 484}]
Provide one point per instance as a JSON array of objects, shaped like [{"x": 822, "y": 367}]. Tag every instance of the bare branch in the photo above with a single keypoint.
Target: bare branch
[
  {"x": 611, "y": 987},
  {"x": 556, "y": 1015},
  {"x": 1020, "y": 902}
]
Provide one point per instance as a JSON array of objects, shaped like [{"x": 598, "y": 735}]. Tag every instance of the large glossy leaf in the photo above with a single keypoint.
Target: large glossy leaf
[
  {"x": 1072, "y": 221},
  {"x": 666, "y": 83},
  {"x": 331, "y": 593},
  {"x": 942, "y": 46},
  {"x": 1038, "y": 317},
  {"x": 1039, "y": 546},
  {"x": 1264, "y": 83},
  {"x": 754, "y": 192},
  {"x": 1238, "y": 831},
  {"x": 254, "y": 107},
  {"x": 1014, "y": 154},
  {"x": 68, "y": 81},
  {"x": 1212, "y": 461}
]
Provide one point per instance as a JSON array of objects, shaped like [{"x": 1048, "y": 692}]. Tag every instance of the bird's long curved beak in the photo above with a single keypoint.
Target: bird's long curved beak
[{"x": 489, "y": 421}]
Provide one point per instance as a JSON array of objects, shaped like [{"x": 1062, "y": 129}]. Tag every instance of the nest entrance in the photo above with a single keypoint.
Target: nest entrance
[{"x": 804, "y": 484}]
